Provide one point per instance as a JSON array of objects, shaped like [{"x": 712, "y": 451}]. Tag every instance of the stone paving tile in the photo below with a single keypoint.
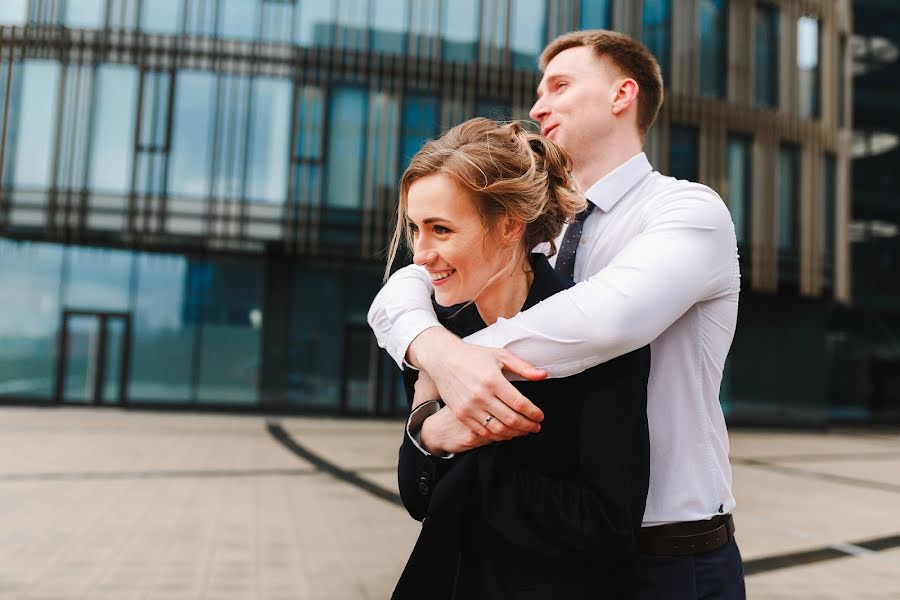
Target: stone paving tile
[
  {"x": 825, "y": 509},
  {"x": 877, "y": 468},
  {"x": 853, "y": 578},
  {"x": 98, "y": 504}
]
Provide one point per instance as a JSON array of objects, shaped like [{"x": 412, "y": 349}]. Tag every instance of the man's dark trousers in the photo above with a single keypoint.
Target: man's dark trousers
[{"x": 715, "y": 575}]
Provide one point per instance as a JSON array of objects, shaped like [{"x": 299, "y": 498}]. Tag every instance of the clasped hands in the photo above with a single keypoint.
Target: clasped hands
[{"x": 470, "y": 381}]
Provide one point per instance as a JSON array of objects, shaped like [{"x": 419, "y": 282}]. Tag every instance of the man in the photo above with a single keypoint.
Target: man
[{"x": 656, "y": 263}]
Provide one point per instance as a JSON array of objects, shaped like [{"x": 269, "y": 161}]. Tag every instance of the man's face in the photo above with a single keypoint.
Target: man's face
[{"x": 574, "y": 105}]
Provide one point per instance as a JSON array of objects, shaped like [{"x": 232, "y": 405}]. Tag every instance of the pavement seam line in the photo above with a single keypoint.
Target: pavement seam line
[
  {"x": 351, "y": 477},
  {"x": 819, "y": 475},
  {"x": 829, "y": 550}
]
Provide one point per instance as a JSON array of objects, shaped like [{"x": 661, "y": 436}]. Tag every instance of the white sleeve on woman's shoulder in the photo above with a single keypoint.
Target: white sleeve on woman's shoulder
[
  {"x": 402, "y": 310},
  {"x": 684, "y": 254}
]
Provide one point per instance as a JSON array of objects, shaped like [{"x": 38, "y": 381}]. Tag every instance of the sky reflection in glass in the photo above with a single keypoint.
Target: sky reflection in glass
[
  {"x": 36, "y": 127},
  {"x": 112, "y": 142},
  {"x": 189, "y": 171}
]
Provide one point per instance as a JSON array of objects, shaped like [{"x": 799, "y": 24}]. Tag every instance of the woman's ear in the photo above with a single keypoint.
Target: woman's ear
[{"x": 513, "y": 230}]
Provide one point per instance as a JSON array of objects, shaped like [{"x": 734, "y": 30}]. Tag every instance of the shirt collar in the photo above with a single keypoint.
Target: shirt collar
[{"x": 611, "y": 188}]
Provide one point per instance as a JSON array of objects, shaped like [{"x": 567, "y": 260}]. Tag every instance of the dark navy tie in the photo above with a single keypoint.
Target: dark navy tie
[{"x": 565, "y": 260}]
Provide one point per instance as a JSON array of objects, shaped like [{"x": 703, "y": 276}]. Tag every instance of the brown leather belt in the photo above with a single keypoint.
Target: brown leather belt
[{"x": 692, "y": 537}]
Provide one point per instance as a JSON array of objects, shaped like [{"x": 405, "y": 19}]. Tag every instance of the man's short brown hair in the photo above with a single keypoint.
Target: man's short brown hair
[{"x": 629, "y": 56}]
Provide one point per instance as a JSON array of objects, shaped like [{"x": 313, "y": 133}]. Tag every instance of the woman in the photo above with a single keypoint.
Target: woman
[{"x": 542, "y": 516}]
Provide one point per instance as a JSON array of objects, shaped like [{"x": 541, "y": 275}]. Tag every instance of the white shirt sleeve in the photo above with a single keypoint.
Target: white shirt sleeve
[
  {"x": 402, "y": 310},
  {"x": 684, "y": 253}
]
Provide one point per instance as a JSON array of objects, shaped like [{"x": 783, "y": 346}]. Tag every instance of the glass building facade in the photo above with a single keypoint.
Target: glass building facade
[
  {"x": 195, "y": 195},
  {"x": 865, "y": 339}
]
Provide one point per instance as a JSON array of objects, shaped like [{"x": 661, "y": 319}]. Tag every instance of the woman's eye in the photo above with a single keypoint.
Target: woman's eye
[{"x": 440, "y": 229}]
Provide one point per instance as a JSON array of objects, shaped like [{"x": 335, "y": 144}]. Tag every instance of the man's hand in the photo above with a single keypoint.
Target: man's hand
[{"x": 471, "y": 382}]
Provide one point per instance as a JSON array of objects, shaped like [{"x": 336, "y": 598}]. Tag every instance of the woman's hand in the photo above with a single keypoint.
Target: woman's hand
[{"x": 443, "y": 433}]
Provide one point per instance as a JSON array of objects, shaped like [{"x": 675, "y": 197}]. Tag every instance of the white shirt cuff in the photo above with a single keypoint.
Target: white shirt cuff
[
  {"x": 414, "y": 425},
  {"x": 405, "y": 329}
]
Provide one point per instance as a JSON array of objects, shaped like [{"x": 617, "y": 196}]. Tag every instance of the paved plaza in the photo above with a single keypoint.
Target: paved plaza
[{"x": 104, "y": 504}]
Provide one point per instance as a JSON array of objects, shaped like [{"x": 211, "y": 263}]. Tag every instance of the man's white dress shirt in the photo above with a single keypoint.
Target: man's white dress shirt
[{"x": 657, "y": 264}]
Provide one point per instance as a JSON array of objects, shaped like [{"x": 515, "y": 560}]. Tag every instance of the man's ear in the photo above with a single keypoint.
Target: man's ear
[{"x": 626, "y": 93}]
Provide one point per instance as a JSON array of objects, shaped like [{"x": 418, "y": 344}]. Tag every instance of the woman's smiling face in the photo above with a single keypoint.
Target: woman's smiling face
[{"x": 451, "y": 240}]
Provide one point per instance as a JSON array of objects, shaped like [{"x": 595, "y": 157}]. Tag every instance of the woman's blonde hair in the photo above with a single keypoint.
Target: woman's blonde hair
[{"x": 509, "y": 172}]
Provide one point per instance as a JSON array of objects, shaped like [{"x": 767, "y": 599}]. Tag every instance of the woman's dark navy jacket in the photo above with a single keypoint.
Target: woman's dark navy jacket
[{"x": 547, "y": 515}]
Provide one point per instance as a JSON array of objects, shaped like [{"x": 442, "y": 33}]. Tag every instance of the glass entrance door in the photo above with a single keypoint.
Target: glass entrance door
[{"x": 93, "y": 359}]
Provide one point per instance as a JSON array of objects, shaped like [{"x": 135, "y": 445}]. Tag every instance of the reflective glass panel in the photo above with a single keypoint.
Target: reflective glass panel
[
  {"x": 424, "y": 27},
  {"x": 683, "y": 152},
  {"x": 112, "y": 142},
  {"x": 225, "y": 295},
  {"x": 97, "y": 279},
  {"x": 7, "y": 140},
  {"x": 459, "y": 30},
  {"x": 73, "y": 134},
  {"x": 270, "y": 129},
  {"x": 331, "y": 306},
  {"x": 492, "y": 110},
  {"x": 420, "y": 123},
  {"x": 788, "y": 215},
  {"x": 149, "y": 172},
  {"x": 713, "y": 47},
  {"x": 390, "y": 20},
  {"x": 829, "y": 199},
  {"x": 384, "y": 117},
  {"x": 163, "y": 338},
  {"x": 308, "y": 183},
  {"x": 13, "y": 12},
  {"x": 162, "y": 16},
  {"x": 82, "y": 354},
  {"x": 230, "y": 135},
  {"x": 359, "y": 390},
  {"x": 238, "y": 18},
  {"x": 766, "y": 56},
  {"x": 527, "y": 34},
  {"x": 346, "y": 147},
  {"x": 787, "y": 197},
  {"x": 594, "y": 14},
  {"x": 352, "y": 20},
  {"x": 36, "y": 127},
  {"x": 155, "y": 109},
  {"x": 309, "y": 123},
  {"x": 29, "y": 295},
  {"x": 277, "y": 20},
  {"x": 112, "y": 370},
  {"x": 841, "y": 83},
  {"x": 315, "y": 23},
  {"x": 85, "y": 13},
  {"x": 739, "y": 182},
  {"x": 317, "y": 329},
  {"x": 657, "y": 27},
  {"x": 808, "y": 66},
  {"x": 494, "y": 29},
  {"x": 200, "y": 17},
  {"x": 189, "y": 170}
]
